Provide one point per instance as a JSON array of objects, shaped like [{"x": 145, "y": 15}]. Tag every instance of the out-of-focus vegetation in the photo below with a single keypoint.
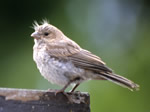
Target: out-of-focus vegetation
[{"x": 117, "y": 31}]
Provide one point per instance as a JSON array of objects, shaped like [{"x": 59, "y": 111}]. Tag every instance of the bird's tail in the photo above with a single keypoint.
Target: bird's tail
[{"x": 120, "y": 80}]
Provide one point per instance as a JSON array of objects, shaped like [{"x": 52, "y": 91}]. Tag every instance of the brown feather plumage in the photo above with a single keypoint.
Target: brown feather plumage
[{"x": 60, "y": 47}]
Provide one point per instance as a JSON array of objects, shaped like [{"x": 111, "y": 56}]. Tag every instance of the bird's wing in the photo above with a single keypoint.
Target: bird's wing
[
  {"x": 79, "y": 57},
  {"x": 89, "y": 61}
]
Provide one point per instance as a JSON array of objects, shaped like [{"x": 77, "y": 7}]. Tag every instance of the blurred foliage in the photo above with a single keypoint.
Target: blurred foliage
[{"x": 118, "y": 31}]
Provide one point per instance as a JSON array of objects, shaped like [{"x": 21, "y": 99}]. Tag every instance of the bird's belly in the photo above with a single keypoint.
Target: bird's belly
[{"x": 56, "y": 71}]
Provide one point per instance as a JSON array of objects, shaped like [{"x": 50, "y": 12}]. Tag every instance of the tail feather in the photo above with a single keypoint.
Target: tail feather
[{"x": 120, "y": 80}]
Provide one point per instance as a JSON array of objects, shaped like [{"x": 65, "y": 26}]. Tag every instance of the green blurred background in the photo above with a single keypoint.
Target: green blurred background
[{"x": 116, "y": 30}]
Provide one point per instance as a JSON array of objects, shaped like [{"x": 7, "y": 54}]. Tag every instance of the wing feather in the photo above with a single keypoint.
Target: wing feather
[
  {"x": 89, "y": 61},
  {"x": 79, "y": 57}
]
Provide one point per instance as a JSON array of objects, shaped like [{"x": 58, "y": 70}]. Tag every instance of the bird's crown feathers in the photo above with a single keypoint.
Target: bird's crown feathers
[{"x": 44, "y": 25}]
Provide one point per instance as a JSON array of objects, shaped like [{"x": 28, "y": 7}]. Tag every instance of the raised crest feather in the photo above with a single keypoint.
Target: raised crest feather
[
  {"x": 44, "y": 22},
  {"x": 35, "y": 25}
]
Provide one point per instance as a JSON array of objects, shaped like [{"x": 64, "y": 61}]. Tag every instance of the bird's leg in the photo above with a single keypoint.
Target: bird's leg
[
  {"x": 63, "y": 89},
  {"x": 72, "y": 90},
  {"x": 71, "y": 81}
]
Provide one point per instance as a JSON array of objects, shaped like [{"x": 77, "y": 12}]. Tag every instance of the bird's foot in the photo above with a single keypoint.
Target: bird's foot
[
  {"x": 59, "y": 91},
  {"x": 56, "y": 91}
]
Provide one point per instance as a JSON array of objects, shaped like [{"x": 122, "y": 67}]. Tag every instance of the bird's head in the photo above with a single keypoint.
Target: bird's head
[{"x": 46, "y": 32}]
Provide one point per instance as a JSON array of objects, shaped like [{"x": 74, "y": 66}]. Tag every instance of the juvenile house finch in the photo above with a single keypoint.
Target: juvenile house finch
[{"x": 63, "y": 62}]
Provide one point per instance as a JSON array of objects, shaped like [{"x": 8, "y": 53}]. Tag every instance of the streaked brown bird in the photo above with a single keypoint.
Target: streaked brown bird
[{"x": 63, "y": 62}]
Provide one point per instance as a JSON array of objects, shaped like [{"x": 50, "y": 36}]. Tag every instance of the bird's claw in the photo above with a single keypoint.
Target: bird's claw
[{"x": 59, "y": 91}]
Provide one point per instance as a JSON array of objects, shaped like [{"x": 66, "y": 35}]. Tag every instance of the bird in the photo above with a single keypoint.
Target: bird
[{"x": 62, "y": 61}]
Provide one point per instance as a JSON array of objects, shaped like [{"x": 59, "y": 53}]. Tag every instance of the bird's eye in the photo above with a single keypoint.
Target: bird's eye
[{"x": 46, "y": 34}]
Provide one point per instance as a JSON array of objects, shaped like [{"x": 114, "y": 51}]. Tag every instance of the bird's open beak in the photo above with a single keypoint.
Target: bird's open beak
[{"x": 35, "y": 35}]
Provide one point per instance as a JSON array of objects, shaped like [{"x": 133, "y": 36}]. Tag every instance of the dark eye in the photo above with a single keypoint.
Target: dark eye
[{"x": 46, "y": 34}]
